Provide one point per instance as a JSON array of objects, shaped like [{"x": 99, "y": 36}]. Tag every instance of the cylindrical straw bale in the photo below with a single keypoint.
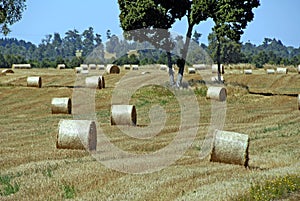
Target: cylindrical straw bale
[
  {"x": 299, "y": 101},
  {"x": 231, "y": 148},
  {"x": 7, "y": 71},
  {"x": 92, "y": 66},
  {"x": 61, "y": 66},
  {"x": 163, "y": 67},
  {"x": 298, "y": 69},
  {"x": 102, "y": 81},
  {"x": 61, "y": 106},
  {"x": 34, "y": 82},
  {"x": 76, "y": 134},
  {"x": 191, "y": 70},
  {"x": 282, "y": 70},
  {"x": 216, "y": 93},
  {"x": 123, "y": 115},
  {"x": 248, "y": 71},
  {"x": 100, "y": 67},
  {"x": 84, "y": 66},
  {"x": 113, "y": 69},
  {"x": 135, "y": 67},
  {"x": 199, "y": 66},
  {"x": 127, "y": 67},
  {"x": 85, "y": 72},
  {"x": 78, "y": 69},
  {"x": 270, "y": 71},
  {"x": 93, "y": 82}
]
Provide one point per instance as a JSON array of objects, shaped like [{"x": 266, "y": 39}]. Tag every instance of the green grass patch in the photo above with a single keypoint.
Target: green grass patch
[
  {"x": 7, "y": 187},
  {"x": 277, "y": 188},
  {"x": 69, "y": 191}
]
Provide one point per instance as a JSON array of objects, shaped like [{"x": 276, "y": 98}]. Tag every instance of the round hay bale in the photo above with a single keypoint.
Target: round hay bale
[
  {"x": 84, "y": 66},
  {"x": 7, "y": 71},
  {"x": 76, "y": 134},
  {"x": 270, "y": 71},
  {"x": 78, "y": 69},
  {"x": 231, "y": 148},
  {"x": 34, "y": 82},
  {"x": 113, "y": 69},
  {"x": 282, "y": 70},
  {"x": 92, "y": 66},
  {"x": 135, "y": 67},
  {"x": 127, "y": 67},
  {"x": 191, "y": 70},
  {"x": 216, "y": 93},
  {"x": 93, "y": 82},
  {"x": 199, "y": 66},
  {"x": 123, "y": 115},
  {"x": 248, "y": 71},
  {"x": 298, "y": 69},
  {"x": 85, "y": 72},
  {"x": 100, "y": 67},
  {"x": 163, "y": 67},
  {"x": 61, "y": 106},
  {"x": 298, "y": 101},
  {"x": 61, "y": 66}
]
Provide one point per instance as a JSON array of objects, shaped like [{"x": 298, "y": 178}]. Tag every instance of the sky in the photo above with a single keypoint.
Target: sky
[{"x": 273, "y": 19}]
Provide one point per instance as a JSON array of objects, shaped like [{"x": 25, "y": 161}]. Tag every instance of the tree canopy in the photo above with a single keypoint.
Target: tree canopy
[{"x": 10, "y": 12}]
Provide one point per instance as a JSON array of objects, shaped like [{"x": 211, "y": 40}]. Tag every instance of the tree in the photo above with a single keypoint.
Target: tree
[
  {"x": 230, "y": 18},
  {"x": 10, "y": 12}
]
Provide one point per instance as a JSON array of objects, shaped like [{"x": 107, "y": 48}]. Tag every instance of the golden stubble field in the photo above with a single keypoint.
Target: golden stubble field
[{"x": 29, "y": 158}]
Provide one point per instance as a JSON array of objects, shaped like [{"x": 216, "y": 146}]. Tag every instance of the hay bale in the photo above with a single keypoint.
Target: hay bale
[
  {"x": 113, "y": 69},
  {"x": 230, "y": 147},
  {"x": 21, "y": 66},
  {"x": 123, "y": 115},
  {"x": 93, "y": 82},
  {"x": 135, "y": 67},
  {"x": 100, "y": 67},
  {"x": 85, "y": 72},
  {"x": 199, "y": 66},
  {"x": 270, "y": 71},
  {"x": 127, "y": 67},
  {"x": 214, "y": 68},
  {"x": 282, "y": 71},
  {"x": 216, "y": 93},
  {"x": 102, "y": 81},
  {"x": 76, "y": 134},
  {"x": 298, "y": 69},
  {"x": 34, "y": 82},
  {"x": 92, "y": 66},
  {"x": 84, "y": 66},
  {"x": 191, "y": 70},
  {"x": 61, "y": 106},
  {"x": 163, "y": 67},
  {"x": 78, "y": 69},
  {"x": 7, "y": 71},
  {"x": 248, "y": 71},
  {"x": 298, "y": 101},
  {"x": 61, "y": 66}
]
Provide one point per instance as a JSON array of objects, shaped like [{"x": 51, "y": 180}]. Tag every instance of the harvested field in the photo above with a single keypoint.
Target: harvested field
[{"x": 261, "y": 106}]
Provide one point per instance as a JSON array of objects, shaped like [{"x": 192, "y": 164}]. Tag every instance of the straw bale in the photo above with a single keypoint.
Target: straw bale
[
  {"x": 84, "y": 72},
  {"x": 78, "y": 69},
  {"x": 231, "y": 148},
  {"x": 61, "y": 106},
  {"x": 163, "y": 67},
  {"x": 199, "y": 66},
  {"x": 84, "y": 66},
  {"x": 191, "y": 70},
  {"x": 7, "y": 71},
  {"x": 135, "y": 67},
  {"x": 270, "y": 71},
  {"x": 34, "y": 82},
  {"x": 76, "y": 134},
  {"x": 93, "y": 82},
  {"x": 113, "y": 69},
  {"x": 61, "y": 66},
  {"x": 282, "y": 70},
  {"x": 100, "y": 67},
  {"x": 92, "y": 66},
  {"x": 123, "y": 115},
  {"x": 21, "y": 66},
  {"x": 216, "y": 93},
  {"x": 299, "y": 69},
  {"x": 127, "y": 67},
  {"x": 214, "y": 68},
  {"x": 248, "y": 71}
]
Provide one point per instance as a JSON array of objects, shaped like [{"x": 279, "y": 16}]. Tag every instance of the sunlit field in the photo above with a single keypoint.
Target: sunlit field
[{"x": 262, "y": 106}]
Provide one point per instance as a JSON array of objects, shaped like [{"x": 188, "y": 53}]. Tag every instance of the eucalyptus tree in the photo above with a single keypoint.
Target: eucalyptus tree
[{"x": 10, "y": 12}]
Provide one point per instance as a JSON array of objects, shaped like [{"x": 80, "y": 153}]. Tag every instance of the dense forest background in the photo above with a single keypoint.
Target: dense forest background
[{"x": 88, "y": 47}]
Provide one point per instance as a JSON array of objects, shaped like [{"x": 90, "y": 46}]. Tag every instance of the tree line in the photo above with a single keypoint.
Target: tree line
[{"x": 55, "y": 49}]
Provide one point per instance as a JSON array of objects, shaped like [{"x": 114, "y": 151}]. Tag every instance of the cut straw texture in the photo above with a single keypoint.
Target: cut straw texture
[
  {"x": 61, "y": 106},
  {"x": 216, "y": 93},
  {"x": 76, "y": 134},
  {"x": 123, "y": 115},
  {"x": 231, "y": 148},
  {"x": 113, "y": 69},
  {"x": 34, "y": 82}
]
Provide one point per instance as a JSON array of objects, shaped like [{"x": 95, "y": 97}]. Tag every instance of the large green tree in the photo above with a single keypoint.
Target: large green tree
[{"x": 10, "y": 12}]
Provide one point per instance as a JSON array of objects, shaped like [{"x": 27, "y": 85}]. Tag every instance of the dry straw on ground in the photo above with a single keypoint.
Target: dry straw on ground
[
  {"x": 113, "y": 69},
  {"x": 34, "y": 82},
  {"x": 231, "y": 148},
  {"x": 216, "y": 93},
  {"x": 61, "y": 106},
  {"x": 76, "y": 134},
  {"x": 94, "y": 82},
  {"x": 123, "y": 115}
]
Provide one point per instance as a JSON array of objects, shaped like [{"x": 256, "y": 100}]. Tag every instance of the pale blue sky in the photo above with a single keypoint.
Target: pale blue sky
[{"x": 273, "y": 19}]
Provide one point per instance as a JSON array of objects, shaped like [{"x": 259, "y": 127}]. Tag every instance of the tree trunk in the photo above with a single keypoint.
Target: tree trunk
[
  {"x": 182, "y": 61},
  {"x": 171, "y": 72},
  {"x": 219, "y": 59}
]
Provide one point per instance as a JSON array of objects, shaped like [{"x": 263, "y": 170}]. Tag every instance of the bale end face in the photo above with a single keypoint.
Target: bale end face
[{"x": 231, "y": 148}]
